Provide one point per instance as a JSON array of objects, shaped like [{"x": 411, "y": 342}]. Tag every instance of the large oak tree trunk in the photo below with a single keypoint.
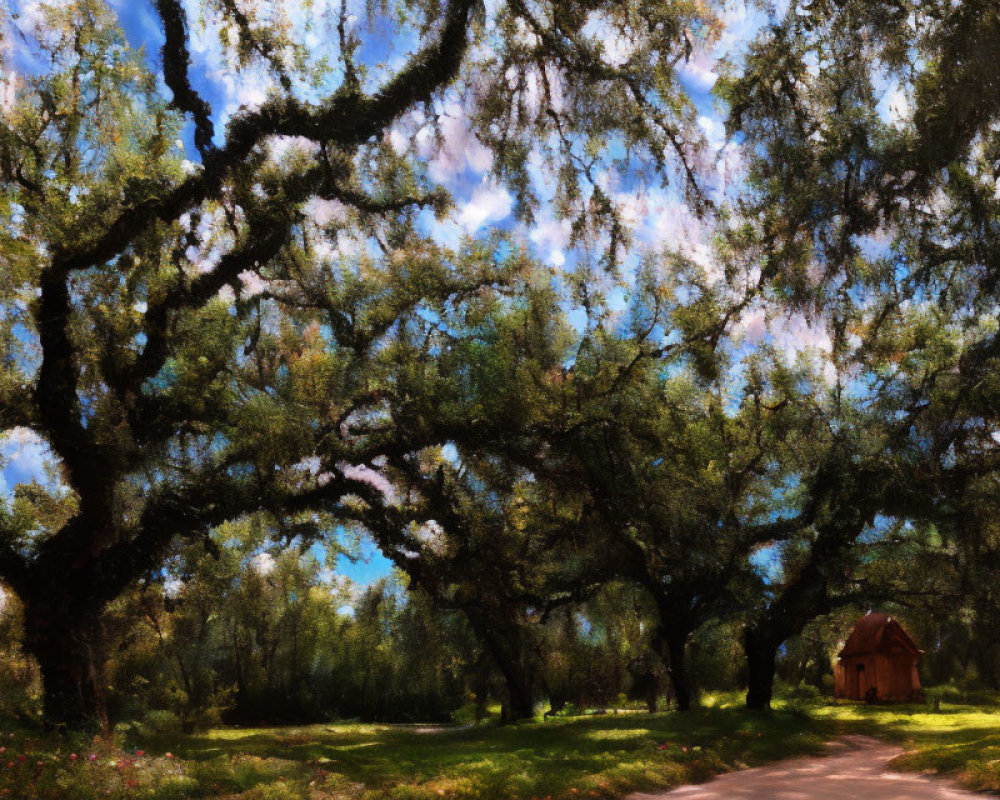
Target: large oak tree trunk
[
  {"x": 511, "y": 649},
  {"x": 761, "y": 656},
  {"x": 67, "y": 643}
]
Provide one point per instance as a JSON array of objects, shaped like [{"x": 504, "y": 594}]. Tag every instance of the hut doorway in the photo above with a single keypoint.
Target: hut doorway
[{"x": 861, "y": 681}]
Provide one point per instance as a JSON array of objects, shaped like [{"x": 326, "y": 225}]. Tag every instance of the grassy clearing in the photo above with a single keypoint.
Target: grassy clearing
[
  {"x": 583, "y": 757},
  {"x": 590, "y": 757}
]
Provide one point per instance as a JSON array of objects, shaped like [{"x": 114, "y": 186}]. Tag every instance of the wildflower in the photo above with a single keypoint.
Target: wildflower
[
  {"x": 22, "y": 758},
  {"x": 72, "y": 756},
  {"x": 168, "y": 755},
  {"x": 93, "y": 756},
  {"x": 661, "y": 747},
  {"x": 140, "y": 753},
  {"x": 684, "y": 749}
]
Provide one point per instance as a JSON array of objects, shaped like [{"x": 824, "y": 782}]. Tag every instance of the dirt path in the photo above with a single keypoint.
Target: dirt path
[{"x": 855, "y": 770}]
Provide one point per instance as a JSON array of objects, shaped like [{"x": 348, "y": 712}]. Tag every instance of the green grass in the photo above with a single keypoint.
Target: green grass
[
  {"x": 597, "y": 756},
  {"x": 583, "y": 757}
]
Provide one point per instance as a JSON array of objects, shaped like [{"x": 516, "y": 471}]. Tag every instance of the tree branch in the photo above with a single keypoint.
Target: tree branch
[
  {"x": 347, "y": 119},
  {"x": 176, "y": 61}
]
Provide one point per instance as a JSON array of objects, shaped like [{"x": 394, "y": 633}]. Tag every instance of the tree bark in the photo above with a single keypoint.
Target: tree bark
[
  {"x": 520, "y": 703},
  {"x": 673, "y": 649},
  {"x": 511, "y": 651},
  {"x": 761, "y": 657},
  {"x": 68, "y": 647}
]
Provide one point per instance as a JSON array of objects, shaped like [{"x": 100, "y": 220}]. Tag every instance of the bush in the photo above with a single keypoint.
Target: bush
[
  {"x": 804, "y": 691},
  {"x": 959, "y": 695},
  {"x": 161, "y": 721}
]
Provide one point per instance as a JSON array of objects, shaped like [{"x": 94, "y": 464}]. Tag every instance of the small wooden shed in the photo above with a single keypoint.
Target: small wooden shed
[{"x": 878, "y": 662}]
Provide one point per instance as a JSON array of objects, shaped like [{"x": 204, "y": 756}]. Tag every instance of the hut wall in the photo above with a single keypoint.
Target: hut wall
[
  {"x": 896, "y": 677},
  {"x": 858, "y": 675}
]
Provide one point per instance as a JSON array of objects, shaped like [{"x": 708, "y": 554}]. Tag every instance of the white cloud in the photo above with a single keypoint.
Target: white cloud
[
  {"x": 792, "y": 333},
  {"x": 282, "y": 146},
  {"x": 551, "y": 236},
  {"x": 33, "y": 21},
  {"x": 671, "y": 225},
  {"x": 490, "y": 202},
  {"x": 617, "y": 48},
  {"x": 458, "y": 148},
  {"x": 323, "y": 212},
  {"x": 714, "y": 130},
  {"x": 699, "y": 71},
  {"x": 894, "y": 107}
]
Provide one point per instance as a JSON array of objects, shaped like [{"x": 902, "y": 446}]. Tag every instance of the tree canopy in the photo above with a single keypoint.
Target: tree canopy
[{"x": 405, "y": 286}]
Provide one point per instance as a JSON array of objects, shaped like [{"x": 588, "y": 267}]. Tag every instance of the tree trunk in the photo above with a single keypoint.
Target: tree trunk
[
  {"x": 673, "y": 649},
  {"x": 511, "y": 651},
  {"x": 68, "y": 648},
  {"x": 520, "y": 696},
  {"x": 761, "y": 656}
]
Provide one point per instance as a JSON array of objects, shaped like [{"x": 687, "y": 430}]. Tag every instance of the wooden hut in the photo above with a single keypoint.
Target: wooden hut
[{"x": 878, "y": 662}]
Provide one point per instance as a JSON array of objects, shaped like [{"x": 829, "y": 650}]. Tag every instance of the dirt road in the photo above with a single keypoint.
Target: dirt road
[{"x": 855, "y": 769}]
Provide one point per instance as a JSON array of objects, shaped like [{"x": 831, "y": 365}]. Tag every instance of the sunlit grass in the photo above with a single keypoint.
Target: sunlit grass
[{"x": 960, "y": 741}]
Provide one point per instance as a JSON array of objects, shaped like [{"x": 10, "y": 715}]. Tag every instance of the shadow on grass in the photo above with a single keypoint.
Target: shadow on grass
[{"x": 606, "y": 754}]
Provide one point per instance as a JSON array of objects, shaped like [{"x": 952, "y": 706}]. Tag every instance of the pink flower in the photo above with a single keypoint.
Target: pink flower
[
  {"x": 93, "y": 756},
  {"x": 140, "y": 753},
  {"x": 661, "y": 747},
  {"x": 72, "y": 756}
]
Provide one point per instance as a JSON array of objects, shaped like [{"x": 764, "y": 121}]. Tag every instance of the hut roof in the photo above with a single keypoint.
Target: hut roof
[{"x": 877, "y": 632}]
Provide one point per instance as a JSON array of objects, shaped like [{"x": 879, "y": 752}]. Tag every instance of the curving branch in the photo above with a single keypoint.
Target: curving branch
[
  {"x": 176, "y": 61},
  {"x": 263, "y": 244},
  {"x": 385, "y": 205},
  {"x": 346, "y": 120},
  {"x": 58, "y": 404}
]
